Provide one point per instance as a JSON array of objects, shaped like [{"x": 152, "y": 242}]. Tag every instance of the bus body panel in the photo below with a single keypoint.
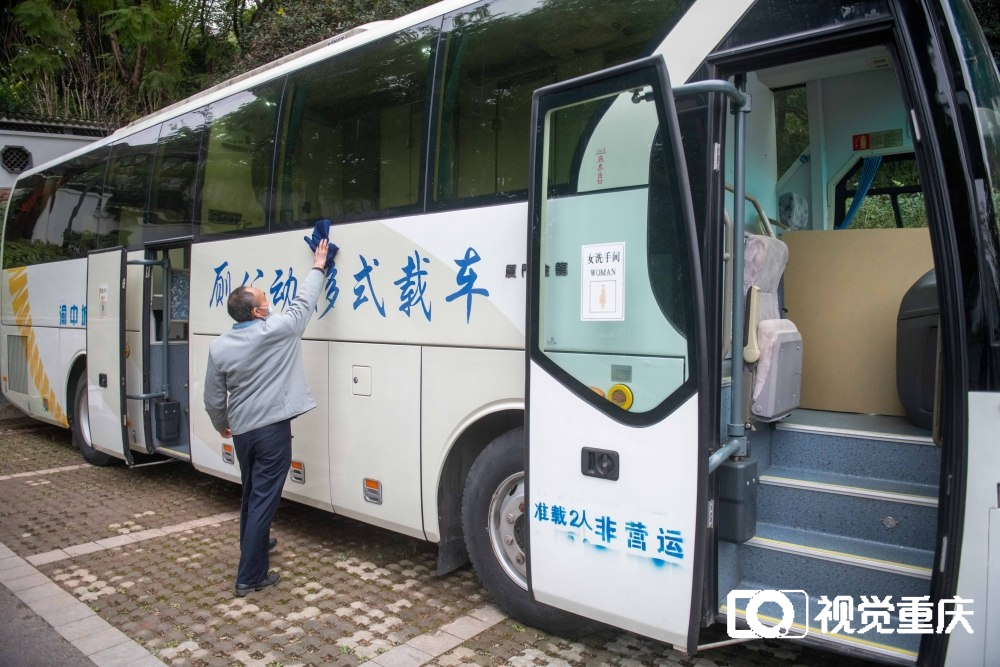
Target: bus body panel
[
  {"x": 45, "y": 308},
  {"x": 374, "y": 434},
  {"x": 459, "y": 388},
  {"x": 979, "y": 569},
  {"x": 460, "y": 284}
]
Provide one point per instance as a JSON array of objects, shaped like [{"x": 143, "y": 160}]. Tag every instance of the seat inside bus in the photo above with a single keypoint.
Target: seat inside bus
[{"x": 831, "y": 159}]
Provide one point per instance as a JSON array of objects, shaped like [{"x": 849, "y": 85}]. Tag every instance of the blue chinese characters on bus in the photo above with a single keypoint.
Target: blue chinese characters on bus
[
  {"x": 283, "y": 288},
  {"x": 221, "y": 287},
  {"x": 414, "y": 279},
  {"x": 606, "y": 531},
  {"x": 72, "y": 315},
  {"x": 466, "y": 280},
  {"x": 363, "y": 279},
  {"x": 412, "y": 286}
]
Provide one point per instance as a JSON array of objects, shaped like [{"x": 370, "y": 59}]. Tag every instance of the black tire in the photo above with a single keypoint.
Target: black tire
[
  {"x": 494, "y": 523},
  {"x": 80, "y": 424}
]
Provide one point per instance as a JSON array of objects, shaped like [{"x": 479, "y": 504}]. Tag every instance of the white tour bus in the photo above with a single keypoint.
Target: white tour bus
[{"x": 525, "y": 350}]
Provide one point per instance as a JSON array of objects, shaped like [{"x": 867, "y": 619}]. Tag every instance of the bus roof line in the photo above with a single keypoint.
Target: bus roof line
[{"x": 331, "y": 46}]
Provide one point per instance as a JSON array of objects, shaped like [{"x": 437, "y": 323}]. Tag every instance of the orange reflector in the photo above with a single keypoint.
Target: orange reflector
[
  {"x": 298, "y": 472},
  {"x": 228, "y": 453},
  {"x": 372, "y": 490}
]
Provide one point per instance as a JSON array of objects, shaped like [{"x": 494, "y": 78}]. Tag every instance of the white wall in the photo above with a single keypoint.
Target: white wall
[{"x": 43, "y": 147}]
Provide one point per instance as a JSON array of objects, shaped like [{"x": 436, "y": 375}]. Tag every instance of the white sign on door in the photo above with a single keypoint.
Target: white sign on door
[{"x": 602, "y": 277}]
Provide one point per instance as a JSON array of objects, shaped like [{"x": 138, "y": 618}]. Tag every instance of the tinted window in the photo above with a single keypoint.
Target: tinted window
[
  {"x": 175, "y": 172},
  {"x": 126, "y": 188},
  {"x": 56, "y": 215},
  {"x": 28, "y": 203},
  {"x": 775, "y": 19},
  {"x": 498, "y": 53},
  {"x": 238, "y": 159},
  {"x": 352, "y": 132}
]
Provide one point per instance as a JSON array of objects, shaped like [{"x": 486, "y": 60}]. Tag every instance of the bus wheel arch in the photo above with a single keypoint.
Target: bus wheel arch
[
  {"x": 451, "y": 484},
  {"x": 494, "y": 522},
  {"x": 79, "y": 418}
]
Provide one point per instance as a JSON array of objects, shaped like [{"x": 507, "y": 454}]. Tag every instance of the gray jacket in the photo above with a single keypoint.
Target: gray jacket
[{"x": 255, "y": 375}]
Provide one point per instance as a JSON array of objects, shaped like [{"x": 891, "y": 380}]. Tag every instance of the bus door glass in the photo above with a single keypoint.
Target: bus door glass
[
  {"x": 615, "y": 478},
  {"x": 106, "y": 352}
]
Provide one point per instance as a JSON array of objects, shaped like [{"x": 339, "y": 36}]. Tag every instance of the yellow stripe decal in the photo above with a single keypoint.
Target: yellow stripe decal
[{"x": 17, "y": 281}]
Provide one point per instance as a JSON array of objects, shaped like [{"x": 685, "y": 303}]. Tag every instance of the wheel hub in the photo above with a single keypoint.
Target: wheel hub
[{"x": 507, "y": 526}]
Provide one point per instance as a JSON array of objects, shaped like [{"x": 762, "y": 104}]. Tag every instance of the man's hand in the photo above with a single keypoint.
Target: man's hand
[
  {"x": 319, "y": 257},
  {"x": 226, "y": 433}
]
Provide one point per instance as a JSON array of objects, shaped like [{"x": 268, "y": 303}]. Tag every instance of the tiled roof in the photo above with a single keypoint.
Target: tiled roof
[{"x": 43, "y": 125}]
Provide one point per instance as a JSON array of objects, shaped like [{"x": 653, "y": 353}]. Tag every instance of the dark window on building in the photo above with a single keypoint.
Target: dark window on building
[{"x": 352, "y": 132}]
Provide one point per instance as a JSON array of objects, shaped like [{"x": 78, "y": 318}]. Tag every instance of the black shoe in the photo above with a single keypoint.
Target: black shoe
[
  {"x": 269, "y": 580},
  {"x": 271, "y": 543}
]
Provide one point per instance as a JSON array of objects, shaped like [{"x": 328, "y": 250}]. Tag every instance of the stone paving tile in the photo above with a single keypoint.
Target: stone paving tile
[
  {"x": 131, "y": 545},
  {"x": 50, "y": 447}
]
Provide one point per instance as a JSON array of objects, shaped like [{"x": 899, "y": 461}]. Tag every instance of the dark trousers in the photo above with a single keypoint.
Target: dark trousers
[{"x": 265, "y": 455}]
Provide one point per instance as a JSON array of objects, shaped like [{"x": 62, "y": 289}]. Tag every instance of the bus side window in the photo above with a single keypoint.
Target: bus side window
[
  {"x": 175, "y": 173},
  {"x": 24, "y": 237},
  {"x": 126, "y": 188},
  {"x": 55, "y": 216},
  {"x": 238, "y": 158},
  {"x": 495, "y": 55},
  {"x": 352, "y": 132},
  {"x": 893, "y": 199}
]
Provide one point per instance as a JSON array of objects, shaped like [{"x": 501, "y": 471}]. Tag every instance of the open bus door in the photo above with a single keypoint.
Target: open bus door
[
  {"x": 616, "y": 474},
  {"x": 106, "y": 352}
]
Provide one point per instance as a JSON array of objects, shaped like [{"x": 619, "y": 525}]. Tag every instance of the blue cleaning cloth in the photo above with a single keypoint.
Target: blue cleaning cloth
[{"x": 322, "y": 231}]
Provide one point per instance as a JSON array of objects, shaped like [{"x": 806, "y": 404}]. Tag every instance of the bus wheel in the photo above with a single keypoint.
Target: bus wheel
[
  {"x": 495, "y": 523},
  {"x": 81, "y": 426}
]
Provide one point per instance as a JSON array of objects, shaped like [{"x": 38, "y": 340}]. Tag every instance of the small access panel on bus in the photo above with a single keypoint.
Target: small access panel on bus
[
  {"x": 615, "y": 479},
  {"x": 105, "y": 351}
]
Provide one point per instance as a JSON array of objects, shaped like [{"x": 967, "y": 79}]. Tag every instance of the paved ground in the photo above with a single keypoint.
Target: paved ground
[{"x": 136, "y": 567}]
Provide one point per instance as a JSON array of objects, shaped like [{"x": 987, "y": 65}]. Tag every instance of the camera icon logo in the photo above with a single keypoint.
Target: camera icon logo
[{"x": 769, "y": 614}]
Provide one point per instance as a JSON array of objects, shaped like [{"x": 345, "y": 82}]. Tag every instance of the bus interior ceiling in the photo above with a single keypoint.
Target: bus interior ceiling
[{"x": 844, "y": 491}]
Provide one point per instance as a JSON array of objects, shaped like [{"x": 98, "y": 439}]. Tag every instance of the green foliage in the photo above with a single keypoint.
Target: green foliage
[
  {"x": 13, "y": 95},
  {"x": 25, "y": 253},
  {"x": 136, "y": 24}
]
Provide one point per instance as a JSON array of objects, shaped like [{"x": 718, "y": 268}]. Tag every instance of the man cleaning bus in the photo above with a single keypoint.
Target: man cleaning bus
[{"x": 254, "y": 386}]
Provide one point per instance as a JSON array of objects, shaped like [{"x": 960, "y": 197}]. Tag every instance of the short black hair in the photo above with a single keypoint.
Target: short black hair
[{"x": 241, "y": 303}]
